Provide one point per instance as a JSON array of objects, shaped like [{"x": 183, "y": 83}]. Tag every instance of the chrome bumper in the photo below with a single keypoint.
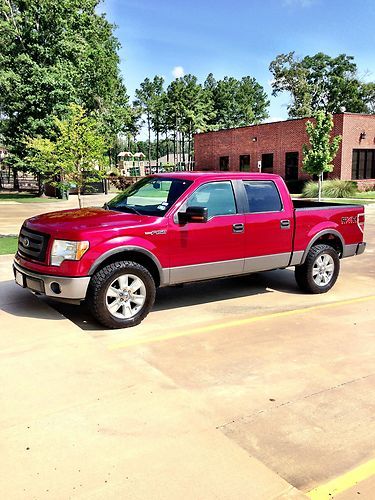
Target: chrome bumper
[{"x": 57, "y": 287}]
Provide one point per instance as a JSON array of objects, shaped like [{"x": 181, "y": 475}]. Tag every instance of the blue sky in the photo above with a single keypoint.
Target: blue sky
[{"x": 237, "y": 38}]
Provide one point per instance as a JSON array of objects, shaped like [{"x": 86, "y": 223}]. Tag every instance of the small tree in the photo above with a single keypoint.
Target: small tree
[
  {"x": 318, "y": 156},
  {"x": 76, "y": 156}
]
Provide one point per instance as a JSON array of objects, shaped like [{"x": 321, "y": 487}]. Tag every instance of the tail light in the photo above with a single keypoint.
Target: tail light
[{"x": 361, "y": 222}]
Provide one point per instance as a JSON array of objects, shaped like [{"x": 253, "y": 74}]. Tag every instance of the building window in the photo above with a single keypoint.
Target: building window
[
  {"x": 363, "y": 164},
  {"x": 224, "y": 163},
  {"x": 245, "y": 163},
  {"x": 267, "y": 163},
  {"x": 291, "y": 166}
]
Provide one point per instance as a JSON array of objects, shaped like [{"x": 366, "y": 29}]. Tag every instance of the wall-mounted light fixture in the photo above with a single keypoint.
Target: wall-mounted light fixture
[
  {"x": 254, "y": 139},
  {"x": 362, "y": 136}
]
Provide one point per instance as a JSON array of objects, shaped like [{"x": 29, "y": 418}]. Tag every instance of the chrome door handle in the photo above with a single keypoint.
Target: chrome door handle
[
  {"x": 285, "y": 224},
  {"x": 238, "y": 228}
]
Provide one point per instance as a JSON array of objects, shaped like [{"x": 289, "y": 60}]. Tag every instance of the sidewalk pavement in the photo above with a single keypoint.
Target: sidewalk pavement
[
  {"x": 13, "y": 214},
  {"x": 78, "y": 422}
]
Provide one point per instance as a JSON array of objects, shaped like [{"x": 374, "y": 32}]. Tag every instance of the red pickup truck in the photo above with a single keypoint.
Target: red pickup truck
[{"x": 181, "y": 227}]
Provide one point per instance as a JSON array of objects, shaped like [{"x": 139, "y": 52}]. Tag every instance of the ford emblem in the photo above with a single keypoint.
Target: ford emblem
[{"x": 26, "y": 242}]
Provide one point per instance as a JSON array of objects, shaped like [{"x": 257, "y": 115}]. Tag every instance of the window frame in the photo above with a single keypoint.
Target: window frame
[
  {"x": 184, "y": 205},
  {"x": 247, "y": 203}
]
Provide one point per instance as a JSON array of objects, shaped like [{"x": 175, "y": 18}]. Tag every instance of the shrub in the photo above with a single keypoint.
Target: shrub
[
  {"x": 120, "y": 182},
  {"x": 334, "y": 188}
]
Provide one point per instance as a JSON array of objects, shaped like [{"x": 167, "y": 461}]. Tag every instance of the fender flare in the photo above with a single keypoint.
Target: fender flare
[
  {"x": 317, "y": 236},
  {"x": 122, "y": 249}
]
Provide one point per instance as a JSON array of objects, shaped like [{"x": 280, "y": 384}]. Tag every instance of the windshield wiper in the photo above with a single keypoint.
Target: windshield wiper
[{"x": 129, "y": 209}]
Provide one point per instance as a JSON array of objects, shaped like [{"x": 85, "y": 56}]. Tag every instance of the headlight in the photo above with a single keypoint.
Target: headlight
[{"x": 67, "y": 250}]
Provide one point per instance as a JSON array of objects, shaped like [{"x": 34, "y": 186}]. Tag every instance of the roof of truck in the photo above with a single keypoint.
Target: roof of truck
[{"x": 214, "y": 175}]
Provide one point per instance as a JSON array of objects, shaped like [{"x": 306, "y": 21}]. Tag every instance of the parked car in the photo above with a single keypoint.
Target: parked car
[{"x": 182, "y": 227}]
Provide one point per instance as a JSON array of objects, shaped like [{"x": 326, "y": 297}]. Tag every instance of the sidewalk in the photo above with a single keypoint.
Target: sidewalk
[
  {"x": 13, "y": 214},
  {"x": 78, "y": 422}
]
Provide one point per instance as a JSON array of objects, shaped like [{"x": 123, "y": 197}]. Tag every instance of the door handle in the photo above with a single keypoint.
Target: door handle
[
  {"x": 238, "y": 228},
  {"x": 285, "y": 224}
]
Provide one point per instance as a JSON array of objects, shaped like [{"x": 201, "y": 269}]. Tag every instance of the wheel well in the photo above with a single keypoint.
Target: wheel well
[
  {"x": 332, "y": 240},
  {"x": 134, "y": 256}
]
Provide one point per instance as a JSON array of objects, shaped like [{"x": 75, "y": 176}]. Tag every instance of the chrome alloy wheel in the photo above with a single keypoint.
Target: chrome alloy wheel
[
  {"x": 125, "y": 296},
  {"x": 323, "y": 269}
]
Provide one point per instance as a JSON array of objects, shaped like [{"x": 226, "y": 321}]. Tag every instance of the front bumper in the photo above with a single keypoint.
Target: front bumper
[{"x": 57, "y": 287}]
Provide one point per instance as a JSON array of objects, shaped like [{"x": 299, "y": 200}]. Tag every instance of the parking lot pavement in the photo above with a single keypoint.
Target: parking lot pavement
[
  {"x": 286, "y": 378},
  {"x": 76, "y": 422}
]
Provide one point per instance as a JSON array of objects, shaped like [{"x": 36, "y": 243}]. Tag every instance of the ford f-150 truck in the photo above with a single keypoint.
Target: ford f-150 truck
[{"x": 174, "y": 228}]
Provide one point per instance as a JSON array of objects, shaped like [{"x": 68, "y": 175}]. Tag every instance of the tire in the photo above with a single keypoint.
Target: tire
[
  {"x": 121, "y": 294},
  {"x": 320, "y": 270}
]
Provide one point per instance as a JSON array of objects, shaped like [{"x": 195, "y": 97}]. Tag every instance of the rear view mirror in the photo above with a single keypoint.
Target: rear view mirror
[
  {"x": 193, "y": 214},
  {"x": 156, "y": 185}
]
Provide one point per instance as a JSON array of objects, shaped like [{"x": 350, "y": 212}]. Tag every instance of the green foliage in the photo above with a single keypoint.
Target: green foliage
[
  {"x": 236, "y": 103},
  {"x": 321, "y": 82},
  {"x": 334, "y": 188},
  {"x": 318, "y": 156},
  {"x": 75, "y": 156},
  {"x": 54, "y": 53}
]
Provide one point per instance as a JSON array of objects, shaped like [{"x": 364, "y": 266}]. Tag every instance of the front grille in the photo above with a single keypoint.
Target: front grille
[{"x": 32, "y": 245}]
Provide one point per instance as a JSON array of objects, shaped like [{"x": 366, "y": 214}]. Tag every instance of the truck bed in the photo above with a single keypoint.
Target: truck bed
[{"x": 301, "y": 204}]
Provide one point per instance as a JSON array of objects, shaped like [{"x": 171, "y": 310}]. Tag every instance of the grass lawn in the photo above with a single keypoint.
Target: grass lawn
[
  {"x": 370, "y": 195},
  {"x": 8, "y": 245},
  {"x": 25, "y": 198}
]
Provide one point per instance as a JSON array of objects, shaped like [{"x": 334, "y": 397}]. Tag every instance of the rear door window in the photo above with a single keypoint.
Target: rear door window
[{"x": 262, "y": 196}]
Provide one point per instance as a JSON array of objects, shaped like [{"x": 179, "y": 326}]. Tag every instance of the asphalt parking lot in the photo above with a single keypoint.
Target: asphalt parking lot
[{"x": 287, "y": 378}]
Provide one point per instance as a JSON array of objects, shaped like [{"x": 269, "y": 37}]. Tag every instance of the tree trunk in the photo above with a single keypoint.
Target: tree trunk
[
  {"x": 16, "y": 184},
  {"x": 149, "y": 140},
  {"x": 167, "y": 140},
  {"x": 79, "y": 196},
  {"x": 174, "y": 146},
  {"x": 157, "y": 150},
  {"x": 183, "y": 146},
  {"x": 320, "y": 183}
]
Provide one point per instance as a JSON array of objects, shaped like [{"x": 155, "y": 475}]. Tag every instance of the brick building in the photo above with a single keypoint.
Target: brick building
[{"x": 277, "y": 147}]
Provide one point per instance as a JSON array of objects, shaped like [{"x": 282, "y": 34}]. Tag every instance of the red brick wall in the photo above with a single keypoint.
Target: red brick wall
[
  {"x": 353, "y": 126},
  {"x": 279, "y": 138}
]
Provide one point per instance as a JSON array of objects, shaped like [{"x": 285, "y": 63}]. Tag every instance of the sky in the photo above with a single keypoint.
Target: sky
[{"x": 237, "y": 38}]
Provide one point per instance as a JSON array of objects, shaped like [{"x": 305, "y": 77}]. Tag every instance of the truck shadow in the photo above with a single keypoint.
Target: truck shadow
[{"x": 191, "y": 294}]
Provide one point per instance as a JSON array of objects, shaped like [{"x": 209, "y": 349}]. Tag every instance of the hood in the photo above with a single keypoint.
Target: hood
[{"x": 84, "y": 219}]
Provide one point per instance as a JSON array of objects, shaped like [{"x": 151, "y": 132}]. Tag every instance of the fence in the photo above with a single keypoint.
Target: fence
[{"x": 26, "y": 181}]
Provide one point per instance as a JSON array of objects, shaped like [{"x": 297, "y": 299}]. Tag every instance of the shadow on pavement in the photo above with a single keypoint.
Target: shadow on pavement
[{"x": 194, "y": 294}]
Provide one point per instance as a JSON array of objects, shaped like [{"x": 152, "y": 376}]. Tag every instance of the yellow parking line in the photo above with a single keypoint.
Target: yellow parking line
[
  {"x": 344, "y": 482},
  {"x": 233, "y": 323}
]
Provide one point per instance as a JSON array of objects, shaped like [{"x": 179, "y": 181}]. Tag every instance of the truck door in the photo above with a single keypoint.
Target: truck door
[
  {"x": 268, "y": 227},
  {"x": 211, "y": 249}
]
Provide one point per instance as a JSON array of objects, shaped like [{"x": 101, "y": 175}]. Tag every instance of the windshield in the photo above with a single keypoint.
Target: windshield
[{"x": 149, "y": 196}]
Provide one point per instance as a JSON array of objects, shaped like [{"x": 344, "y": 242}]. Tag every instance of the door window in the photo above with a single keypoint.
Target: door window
[
  {"x": 263, "y": 196},
  {"x": 244, "y": 163},
  {"x": 217, "y": 197},
  {"x": 291, "y": 166}
]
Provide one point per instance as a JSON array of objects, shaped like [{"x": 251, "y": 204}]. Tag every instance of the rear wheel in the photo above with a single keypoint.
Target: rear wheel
[
  {"x": 320, "y": 270},
  {"x": 121, "y": 294}
]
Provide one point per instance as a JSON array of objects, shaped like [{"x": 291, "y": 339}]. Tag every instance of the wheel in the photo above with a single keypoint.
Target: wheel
[
  {"x": 320, "y": 270},
  {"x": 121, "y": 294}
]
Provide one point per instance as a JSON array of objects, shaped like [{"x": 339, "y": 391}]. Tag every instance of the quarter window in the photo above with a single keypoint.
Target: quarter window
[
  {"x": 217, "y": 197},
  {"x": 262, "y": 196}
]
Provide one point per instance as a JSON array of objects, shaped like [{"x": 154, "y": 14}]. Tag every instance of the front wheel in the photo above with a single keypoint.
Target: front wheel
[
  {"x": 121, "y": 294},
  {"x": 320, "y": 270}
]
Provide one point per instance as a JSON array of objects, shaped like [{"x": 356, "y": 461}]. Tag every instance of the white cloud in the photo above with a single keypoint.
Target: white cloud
[{"x": 178, "y": 72}]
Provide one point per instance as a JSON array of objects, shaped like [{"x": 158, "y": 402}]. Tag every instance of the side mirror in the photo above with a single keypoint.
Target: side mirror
[{"x": 193, "y": 214}]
